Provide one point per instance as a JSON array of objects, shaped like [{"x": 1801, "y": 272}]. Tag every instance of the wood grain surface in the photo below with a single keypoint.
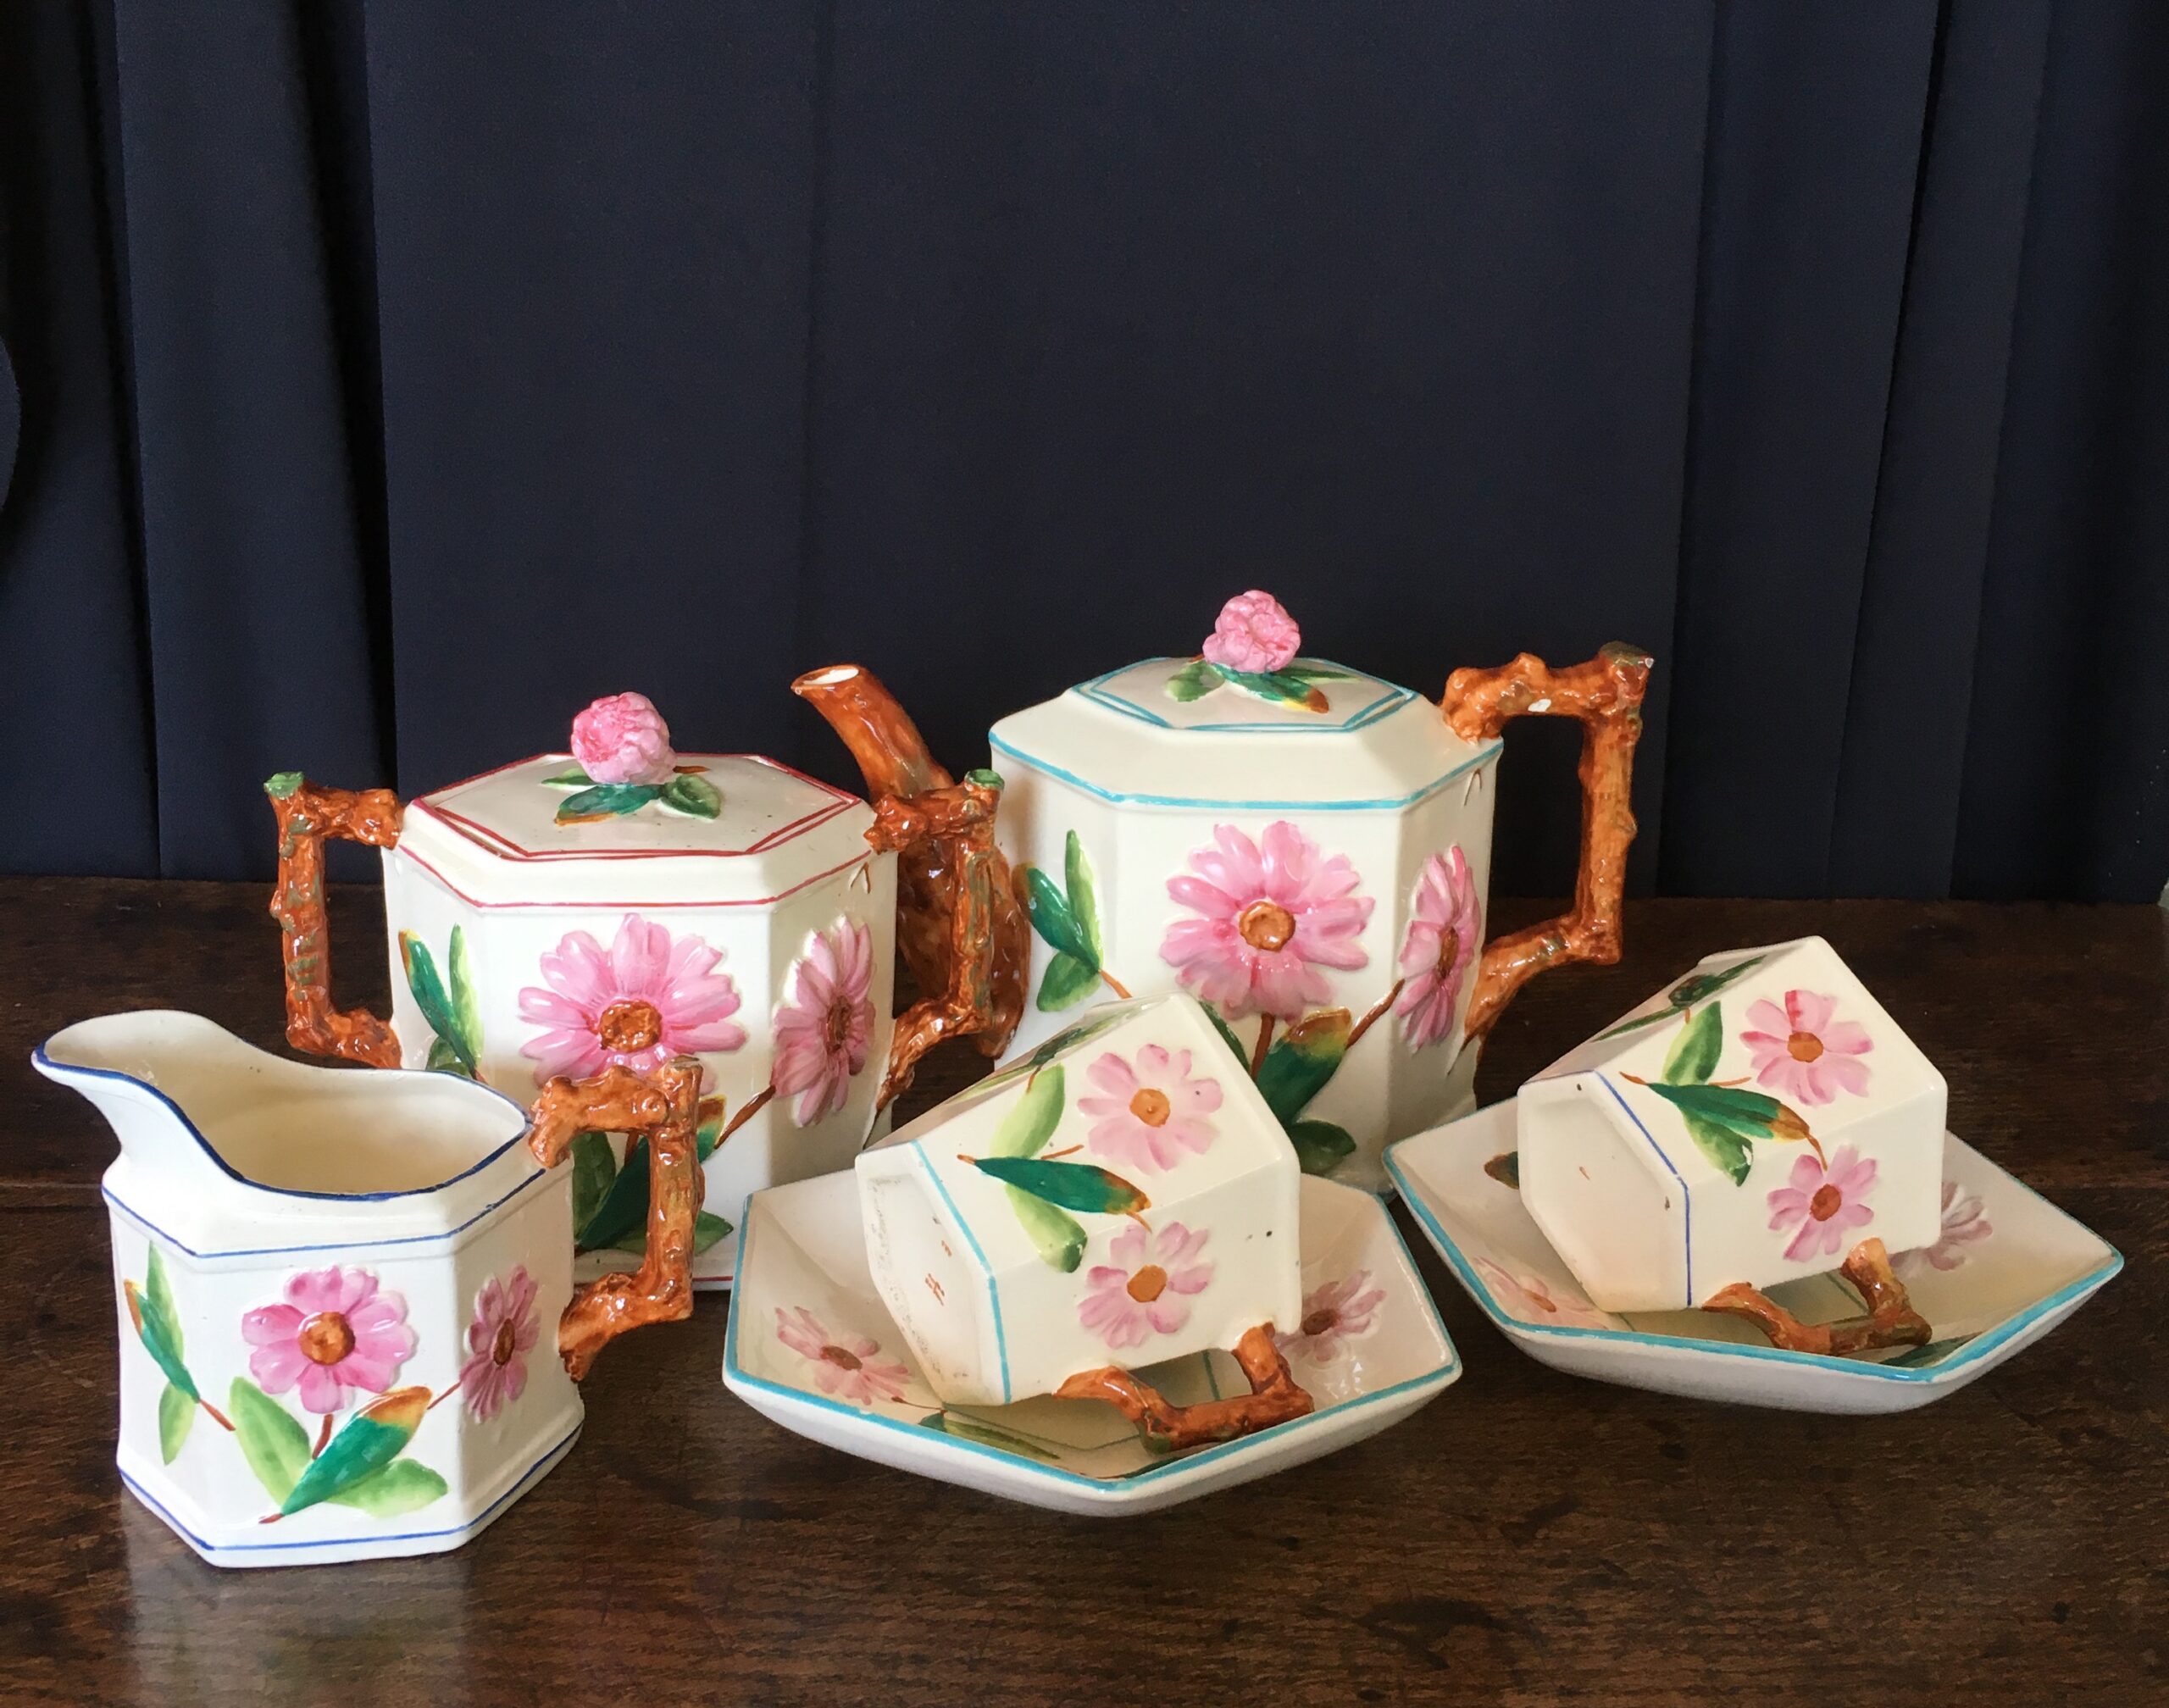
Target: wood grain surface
[{"x": 1527, "y": 1537}]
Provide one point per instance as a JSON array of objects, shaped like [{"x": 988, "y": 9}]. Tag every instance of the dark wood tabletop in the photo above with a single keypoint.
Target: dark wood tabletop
[{"x": 1527, "y": 1538}]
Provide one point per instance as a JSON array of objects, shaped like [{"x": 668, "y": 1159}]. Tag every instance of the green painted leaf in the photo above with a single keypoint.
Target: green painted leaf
[
  {"x": 1506, "y": 1168},
  {"x": 1058, "y": 1238},
  {"x": 158, "y": 1297},
  {"x": 368, "y": 1441},
  {"x": 1025, "y": 1129},
  {"x": 606, "y": 801},
  {"x": 1194, "y": 680},
  {"x": 1751, "y": 1114},
  {"x": 466, "y": 1010},
  {"x": 619, "y": 1220},
  {"x": 987, "y": 1434},
  {"x": 1083, "y": 896},
  {"x": 707, "y": 1230},
  {"x": 176, "y": 1412},
  {"x": 275, "y": 1445},
  {"x": 1693, "y": 1057},
  {"x": 444, "y": 1059},
  {"x": 574, "y": 778},
  {"x": 1721, "y": 1145},
  {"x": 1320, "y": 1145},
  {"x": 149, "y": 1307},
  {"x": 1053, "y": 920},
  {"x": 1228, "y": 1036},
  {"x": 984, "y": 777},
  {"x": 1068, "y": 1185},
  {"x": 1280, "y": 686},
  {"x": 1315, "y": 673},
  {"x": 1697, "y": 987},
  {"x": 431, "y": 997},
  {"x": 692, "y": 795},
  {"x": 280, "y": 785},
  {"x": 1301, "y": 1059},
  {"x": 1067, "y": 982},
  {"x": 593, "y": 1170},
  {"x": 401, "y": 1488}
]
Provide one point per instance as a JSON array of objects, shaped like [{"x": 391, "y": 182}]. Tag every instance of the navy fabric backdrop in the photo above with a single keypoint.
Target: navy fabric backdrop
[{"x": 383, "y": 382}]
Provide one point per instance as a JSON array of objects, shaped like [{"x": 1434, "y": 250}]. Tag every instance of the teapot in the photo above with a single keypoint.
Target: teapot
[
  {"x": 336, "y": 1286},
  {"x": 1303, "y": 847},
  {"x": 621, "y": 904}
]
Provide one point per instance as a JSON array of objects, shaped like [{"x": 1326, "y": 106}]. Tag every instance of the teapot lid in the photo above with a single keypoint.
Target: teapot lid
[
  {"x": 623, "y": 818},
  {"x": 1246, "y": 722}
]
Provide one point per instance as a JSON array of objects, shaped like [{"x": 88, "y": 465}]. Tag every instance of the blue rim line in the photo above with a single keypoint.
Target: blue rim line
[
  {"x": 1978, "y": 1347},
  {"x": 1394, "y": 699},
  {"x": 469, "y": 1529},
  {"x": 151, "y": 1227},
  {"x": 1686, "y": 1197},
  {"x": 1483, "y": 756},
  {"x": 1107, "y": 1486},
  {"x": 987, "y": 1269}
]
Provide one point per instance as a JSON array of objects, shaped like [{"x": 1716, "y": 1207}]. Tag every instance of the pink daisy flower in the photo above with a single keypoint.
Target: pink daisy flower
[
  {"x": 845, "y": 1365},
  {"x": 1805, "y": 1054},
  {"x": 649, "y": 997},
  {"x": 504, "y": 1330},
  {"x": 1333, "y": 1315},
  {"x": 336, "y": 1331},
  {"x": 825, "y": 1028},
  {"x": 1529, "y": 1298},
  {"x": 1152, "y": 1111},
  {"x": 1273, "y": 913},
  {"x": 1444, "y": 932},
  {"x": 1822, "y": 1204},
  {"x": 1142, "y": 1293},
  {"x": 1964, "y": 1220}
]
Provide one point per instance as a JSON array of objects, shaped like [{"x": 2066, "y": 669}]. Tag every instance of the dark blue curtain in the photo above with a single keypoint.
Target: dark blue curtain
[{"x": 384, "y": 381}]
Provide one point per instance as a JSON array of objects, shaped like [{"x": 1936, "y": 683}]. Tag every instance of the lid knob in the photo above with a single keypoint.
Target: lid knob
[
  {"x": 1255, "y": 633},
  {"x": 626, "y": 761}
]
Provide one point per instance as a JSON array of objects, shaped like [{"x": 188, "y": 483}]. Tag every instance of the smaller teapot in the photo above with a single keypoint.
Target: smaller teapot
[
  {"x": 342, "y": 1287},
  {"x": 1304, "y": 848}
]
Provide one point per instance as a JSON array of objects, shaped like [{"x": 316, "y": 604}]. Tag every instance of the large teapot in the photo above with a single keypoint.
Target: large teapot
[
  {"x": 622, "y": 904},
  {"x": 1304, "y": 847}
]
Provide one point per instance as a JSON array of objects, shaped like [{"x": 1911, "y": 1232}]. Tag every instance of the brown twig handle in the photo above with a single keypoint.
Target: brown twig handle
[
  {"x": 1275, "y": 1397},
  {"x": 667, "y": 1109},
  {"x": 1605, "y": 695},
  {"x": 307, "y": 814}
]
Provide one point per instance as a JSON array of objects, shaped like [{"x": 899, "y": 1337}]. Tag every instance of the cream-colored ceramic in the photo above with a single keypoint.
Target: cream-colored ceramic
[
  {"x": 812, "y": 1346},
  {"x": 338, "y": 1293},
  {"x": 1124, "y": 1196},
  {"x": 1751, "y": 1123},
  {"x": 2002, "y": 1267}
]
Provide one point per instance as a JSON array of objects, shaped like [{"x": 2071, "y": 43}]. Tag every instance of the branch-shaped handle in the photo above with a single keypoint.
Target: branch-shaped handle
[
  {"x": 667, "y": 1109},
  {"x": 1605, "y": 695},
  {"x": 1275, "y": 1397},
  {"x": 307, "y": 814}
]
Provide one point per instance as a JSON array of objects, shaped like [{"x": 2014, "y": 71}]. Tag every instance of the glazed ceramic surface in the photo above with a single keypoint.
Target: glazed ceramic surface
[
  {"x": 812, "y": 1345},
  {"x": 2003, "y": 1268},
  {"x": 338, "y": 1293},
  {"x": 646, "y": 933},
  {"x": 1751, "y": 1123},
  {"x": 1124, "y": 1196}
]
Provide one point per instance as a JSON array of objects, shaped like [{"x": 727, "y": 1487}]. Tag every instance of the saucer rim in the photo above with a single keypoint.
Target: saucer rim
[{"x": 1980, "y": 1346}]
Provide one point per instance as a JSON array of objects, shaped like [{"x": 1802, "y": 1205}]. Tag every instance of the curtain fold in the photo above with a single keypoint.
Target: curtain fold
[{"x": 393, "y": 379}]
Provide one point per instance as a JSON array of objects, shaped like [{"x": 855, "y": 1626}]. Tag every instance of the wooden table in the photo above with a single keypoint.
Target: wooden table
[{"x": 1527, "y": 1538}]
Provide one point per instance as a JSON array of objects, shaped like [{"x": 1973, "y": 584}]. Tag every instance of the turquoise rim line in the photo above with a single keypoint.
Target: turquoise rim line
[
  {"x": 1977, "y": 1348},
  {"x": 1392, "y": 700},
  {"x": 733, "y": 1370},
  {"x": 971, "y": 1239}
]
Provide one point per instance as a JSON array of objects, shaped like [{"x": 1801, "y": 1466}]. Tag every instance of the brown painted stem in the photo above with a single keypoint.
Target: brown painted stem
[
  {"x": 1264, "y": 1043},
  {"x": 323, "y": 1439},
  {"x": 1274, "y": 1398},
  {"x": 218, "y": 1416},
  {"x": 1891, "y": 1320},
  {"x": 1113, "y": 984},
  {"x": 747, "y": 1111},
  {"x": 1378, "y": 1013}
]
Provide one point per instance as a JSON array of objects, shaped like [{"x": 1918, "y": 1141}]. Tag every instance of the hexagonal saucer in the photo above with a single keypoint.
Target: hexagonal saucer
[
  {"x": 802, "y": 1278},
  {"x": 2010, "y": 1268}
]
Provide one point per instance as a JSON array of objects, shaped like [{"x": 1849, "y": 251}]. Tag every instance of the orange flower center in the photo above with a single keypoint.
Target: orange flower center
[
  {"x": 1448, "y": 948},
  {"x": 840, "y": 1358},
  {"x": 1826, "y": 1202},
  {"x": 1148, "y": 1283},
  {"x": 1320, "y": 1320},
  {"x": 627, "y": 1027},
  {"x": 1265, "y": 925},
  {"x": 325, "y": 1338},
  {"x": 1151, "y": 1107},
  {"x": 501, "y": 1348},
  {"x": 838, "y": 1031},
  {"x": 1803, "y": 1046}
]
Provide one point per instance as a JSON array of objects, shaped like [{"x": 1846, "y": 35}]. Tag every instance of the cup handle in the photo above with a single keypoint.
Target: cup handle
[
  {"x": 666, "y": 1108},
  {"x": 307, "y": 815},
  {"x": 1605, "y": 695}
]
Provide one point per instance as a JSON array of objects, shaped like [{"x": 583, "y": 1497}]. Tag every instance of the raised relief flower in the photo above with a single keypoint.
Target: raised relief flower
[
  {"x": 1273, "y": 913},
  {"x": 1152, "y": 1111},
  {"x": 1532, "y": 1299},
  {"x": 649, "y": 997},
  {"x": 1444, "y": 931},
  {"x": 1142, "y": 1293},
  {"x": 1803, "y": 1052},
  {"x": 825, "y": 1027},
  {"x": 1963, "y": 1221},
  {"x": 623, "y": 739},
  {"x": 504, "y": 1330},
  {"x": 1822, "y": 1204},
  {"x": 1254, "y": 633},
  {"x": 334, "y": 1333},
  {"x": 847, "y": 1366},
  {"x": 1333, "y": 1315}
]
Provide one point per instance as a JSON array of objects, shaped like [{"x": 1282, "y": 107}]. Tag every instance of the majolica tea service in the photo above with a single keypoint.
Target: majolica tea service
[{"x": 1218, "y": 919}]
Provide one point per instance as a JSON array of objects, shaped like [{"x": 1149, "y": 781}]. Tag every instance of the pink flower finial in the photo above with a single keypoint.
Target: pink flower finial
[
  {"x": 622, "y": 738},
  {"x": 1254, "y": 634}
]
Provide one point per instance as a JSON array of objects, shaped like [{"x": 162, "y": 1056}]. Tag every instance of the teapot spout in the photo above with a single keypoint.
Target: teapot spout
[{"x": 892, "y": 754}]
